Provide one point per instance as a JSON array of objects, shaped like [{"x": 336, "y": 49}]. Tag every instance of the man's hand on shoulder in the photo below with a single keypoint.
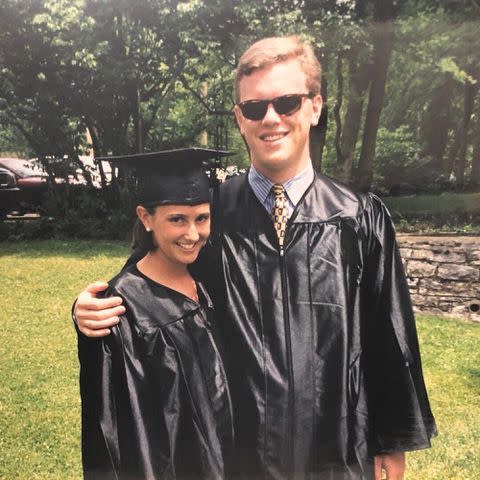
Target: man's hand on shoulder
[
  {"x": 392, "y": 463},
  {"x": 95, "y": 316}
]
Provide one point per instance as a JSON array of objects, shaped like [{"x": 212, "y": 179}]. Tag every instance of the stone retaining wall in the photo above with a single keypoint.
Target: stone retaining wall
[{"x": 443, "y": 274}]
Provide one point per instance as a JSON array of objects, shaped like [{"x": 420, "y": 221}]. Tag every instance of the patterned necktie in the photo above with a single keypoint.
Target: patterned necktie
[{"x": 280, "y": 213}]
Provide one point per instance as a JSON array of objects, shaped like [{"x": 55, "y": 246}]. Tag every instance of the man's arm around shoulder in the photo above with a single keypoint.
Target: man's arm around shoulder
[{"x": 95, "y": 316}]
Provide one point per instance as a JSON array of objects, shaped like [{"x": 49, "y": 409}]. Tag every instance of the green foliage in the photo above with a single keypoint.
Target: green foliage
[
  {"x": 448, "y": 65},
  {"x": 445, "y": 212},
  {"x": 155, "y": 74},
  {"x": 39, "y": 400},
  {"x": 112, "y": 226},
  {"x": 398, "y": 165},
  {"x": 434, "y": 56},
  {"x": 454, "y": 224},
  {"x": 76, "y": 213},
  {"x": 12, "y": 143},
  {"x": 435, "y": 204}
]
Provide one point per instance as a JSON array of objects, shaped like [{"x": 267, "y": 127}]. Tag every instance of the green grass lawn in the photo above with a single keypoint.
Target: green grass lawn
[
  {"x": 39, "y": 402},
  {"x": 447, "y": 202}
]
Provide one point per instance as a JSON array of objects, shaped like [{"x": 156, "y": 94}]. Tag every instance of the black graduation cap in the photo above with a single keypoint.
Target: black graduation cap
[{"x": 172, "y": 177}]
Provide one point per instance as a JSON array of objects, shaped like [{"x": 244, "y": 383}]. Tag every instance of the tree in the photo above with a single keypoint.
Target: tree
[
  {"x": 31, "y": 92},
  {"x": 459, "y": 149},
  {"x": 437, "y": 121},
  {"x": 131, "y": 72},
  {"x": 475, "y": 176},
  {"x": 385, "y": 12}
]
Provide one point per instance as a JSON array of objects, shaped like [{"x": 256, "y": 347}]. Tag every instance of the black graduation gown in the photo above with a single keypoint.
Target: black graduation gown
[
  {"x": 325, "y": 368},
  {"x": 155, "y": 401}
]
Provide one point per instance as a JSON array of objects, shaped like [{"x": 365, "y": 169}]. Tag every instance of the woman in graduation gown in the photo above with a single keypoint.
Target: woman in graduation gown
[{"x": 155, "y": 400}]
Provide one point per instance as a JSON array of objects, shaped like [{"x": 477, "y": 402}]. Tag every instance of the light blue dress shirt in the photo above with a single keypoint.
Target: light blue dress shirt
[{"x": 294, "y": 187}]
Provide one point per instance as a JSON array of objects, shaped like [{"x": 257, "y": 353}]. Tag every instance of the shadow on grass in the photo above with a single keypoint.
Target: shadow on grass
[
  {"x": 85, "y": 249},
  {"x": 473, "y": 375}
]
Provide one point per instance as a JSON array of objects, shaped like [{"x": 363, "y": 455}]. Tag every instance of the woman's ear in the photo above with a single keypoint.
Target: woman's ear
[{"x": 144, "y": 217}]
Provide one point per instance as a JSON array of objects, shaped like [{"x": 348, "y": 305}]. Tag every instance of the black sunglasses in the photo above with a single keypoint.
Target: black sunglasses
[{"x": 284, "y": 105}]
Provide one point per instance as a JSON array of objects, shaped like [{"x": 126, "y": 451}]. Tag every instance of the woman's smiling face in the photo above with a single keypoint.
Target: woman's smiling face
[{"x": 179, "y": 231}]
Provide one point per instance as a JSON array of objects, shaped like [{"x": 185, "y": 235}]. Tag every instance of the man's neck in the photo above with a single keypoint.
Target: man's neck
[
  {"x": 295, "y": 187},
  {"x": 282, "y": 176}
]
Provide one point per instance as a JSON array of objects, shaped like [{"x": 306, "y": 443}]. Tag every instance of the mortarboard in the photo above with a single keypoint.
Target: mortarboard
[{"x": 172, "y": 177}]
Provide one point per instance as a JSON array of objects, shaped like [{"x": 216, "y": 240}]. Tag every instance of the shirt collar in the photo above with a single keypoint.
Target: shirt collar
[
  {"x": 260, "y": 184},
  {"x": 295, "y": 187}
]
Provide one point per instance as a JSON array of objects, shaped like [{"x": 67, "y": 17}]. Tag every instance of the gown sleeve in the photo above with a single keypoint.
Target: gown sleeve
[
  {"x": 400, "y": 414},
  {"x": 99, "y": 462},
  {"x": 123, "y": 386}
]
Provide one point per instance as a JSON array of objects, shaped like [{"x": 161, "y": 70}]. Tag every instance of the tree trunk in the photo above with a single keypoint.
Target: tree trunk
[
  {"x": 383, "y": 42},
  {"x": 360, "y": 8},
  {"x": 470, "y": 91},
  {"x": 449, "y": 160},
  {"x": 337, "y": 108},
  {"x": 79, "y": 165},
  {"x": 358, "y": 84},
  {"x": 475, "y": 175},
  {"x": 436, "y": 123},
  {"x": 319, "y": 132},
  {"x": 203, "y": 92},
  {"x": 137, "y": 119},
  {"x": 97, "y": 150}
]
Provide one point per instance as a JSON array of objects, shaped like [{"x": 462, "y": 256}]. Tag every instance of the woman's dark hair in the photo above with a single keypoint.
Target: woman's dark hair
[{"x": 141, "y": 239}]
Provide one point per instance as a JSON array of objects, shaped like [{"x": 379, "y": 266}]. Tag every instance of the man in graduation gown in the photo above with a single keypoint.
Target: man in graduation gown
[{"x": 311, "y": 296}]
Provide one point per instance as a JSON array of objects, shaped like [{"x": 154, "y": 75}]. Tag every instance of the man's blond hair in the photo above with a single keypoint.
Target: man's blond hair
[{"x": 269, "y": 51}]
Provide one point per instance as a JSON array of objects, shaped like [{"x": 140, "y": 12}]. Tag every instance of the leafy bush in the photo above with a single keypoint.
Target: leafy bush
[
  {"x": 81, "y": 213},
  {"x": 447, "y": 212},
  {"x": 398, "y": 167}
]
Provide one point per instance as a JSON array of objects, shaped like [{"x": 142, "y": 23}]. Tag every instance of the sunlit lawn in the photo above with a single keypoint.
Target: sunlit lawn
[
  {"x": 446, "y": 202},
  {"x": 39, "y": 403}
]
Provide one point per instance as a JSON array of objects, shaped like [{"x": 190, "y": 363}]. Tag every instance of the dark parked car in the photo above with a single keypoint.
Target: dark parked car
[{"x": 23, "y": 185}]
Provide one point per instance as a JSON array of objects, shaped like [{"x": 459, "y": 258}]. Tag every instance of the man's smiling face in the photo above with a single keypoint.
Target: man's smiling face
[{"x": 279, "y": 144}]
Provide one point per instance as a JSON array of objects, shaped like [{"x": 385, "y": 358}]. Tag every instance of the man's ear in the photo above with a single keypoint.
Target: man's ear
[
  {"x": 317, "y": 103},
  {"x": 239, "y": 118}
]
